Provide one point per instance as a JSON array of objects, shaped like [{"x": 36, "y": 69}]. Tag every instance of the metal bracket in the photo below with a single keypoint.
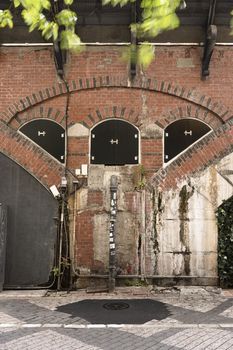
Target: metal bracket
[
  {"x": 134, "y": 41},
  {"x": 210, "y": 40},
  {"x": 59, "y": 54}
]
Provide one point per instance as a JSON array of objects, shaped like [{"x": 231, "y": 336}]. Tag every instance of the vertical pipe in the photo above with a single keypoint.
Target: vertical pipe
[
  {"x": 60, "y": 243},
  {"x": 143, "y": 231},
  {"x": 112, "y": 245},
  {"x": 72, "y": 235}
]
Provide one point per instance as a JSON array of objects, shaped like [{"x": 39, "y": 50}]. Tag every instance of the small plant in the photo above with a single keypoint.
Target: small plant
[
  {"x": 55, "y": 271},
  {"x": 135, "y": 282},
  {"x": 139, "y": 177},
  {"x": 65, "y": 264}
]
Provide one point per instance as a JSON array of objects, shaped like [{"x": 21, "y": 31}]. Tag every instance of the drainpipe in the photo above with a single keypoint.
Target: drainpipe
[
  {"x": 112, "y": 245},
  {"x": 143, "y": 234},
  {"x": 61, "y": 229}
]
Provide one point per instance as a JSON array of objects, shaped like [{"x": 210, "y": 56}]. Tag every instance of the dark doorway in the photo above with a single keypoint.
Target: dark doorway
[
  {"x": 181, "y": 134},
  {"x": 31, "y": 229},
  {"x": 114, "y": 142},
  {"x": 48, "y": 135}
]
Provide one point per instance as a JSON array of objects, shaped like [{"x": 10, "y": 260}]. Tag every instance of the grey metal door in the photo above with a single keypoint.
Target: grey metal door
[
  {"x": 3, "y": 234},
  {"x": 31, "y": 229}
]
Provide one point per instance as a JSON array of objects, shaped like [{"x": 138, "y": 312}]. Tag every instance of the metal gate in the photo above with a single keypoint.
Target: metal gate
[
  {"x": 31, "y": 229},
  {"x": 3, "y": 234}
]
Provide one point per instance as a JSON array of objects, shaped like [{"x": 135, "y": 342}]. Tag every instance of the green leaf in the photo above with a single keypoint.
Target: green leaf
[
  {"x": 50, "y": 30},
  {"x": 68, "y": 2},
  {"x": 6, "y": 19},
  {"x": 117, "y": 2},
  {"x": 55, "y": 31},
  {"x": 145, "y": 54},
  {"x": 66, "y": 18},
  {"x": 70, "y": 41},
  {"x": 16, "y": 3},
  {"x": 45, "y": 4}
]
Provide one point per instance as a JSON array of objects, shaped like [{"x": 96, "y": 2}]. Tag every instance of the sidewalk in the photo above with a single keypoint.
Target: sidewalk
[{"x": 177, "y": 318}]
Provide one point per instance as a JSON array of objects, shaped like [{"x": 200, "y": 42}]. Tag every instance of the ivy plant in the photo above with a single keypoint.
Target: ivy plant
[{"x": 225, "y": 243}]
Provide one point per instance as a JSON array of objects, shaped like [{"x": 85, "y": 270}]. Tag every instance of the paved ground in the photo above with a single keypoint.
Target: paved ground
[{"x": 132, "y": 319}]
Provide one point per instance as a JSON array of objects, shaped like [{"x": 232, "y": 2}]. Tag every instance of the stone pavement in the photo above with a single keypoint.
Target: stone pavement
[{"x": 131, "y": 318}]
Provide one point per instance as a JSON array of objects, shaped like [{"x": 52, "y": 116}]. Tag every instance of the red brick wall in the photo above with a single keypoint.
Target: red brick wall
[
  {"x": 100, "y": 88},
  {"x": 84, "y": 240}
]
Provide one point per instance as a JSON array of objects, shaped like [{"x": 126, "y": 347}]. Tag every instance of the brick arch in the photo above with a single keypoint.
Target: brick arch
[
  {"x": 189, "y": 111},
  {"x": 204, "y": 153},
  {"x": 133, "y": 116},
  {"x": 190, "y": 95},
  {"x": 115, "y": 112},
  {"x": 41, "y": 112},
  {"x": 29, "y": 156}
]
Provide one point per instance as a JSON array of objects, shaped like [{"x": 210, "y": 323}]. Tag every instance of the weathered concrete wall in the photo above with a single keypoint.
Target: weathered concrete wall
[
  {"x": 96, "y": 199},
  {"x": 185, "y": 222},
  {"x": 172, "y": 233}
]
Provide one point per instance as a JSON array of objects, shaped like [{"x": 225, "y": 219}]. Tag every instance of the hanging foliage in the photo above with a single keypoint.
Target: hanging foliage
[
  {"x": 57, "y": 21},
  {"x": 225, "y": 243},
  {"x": 54, "y": 20},
  {"x": 157, "y": 16}
]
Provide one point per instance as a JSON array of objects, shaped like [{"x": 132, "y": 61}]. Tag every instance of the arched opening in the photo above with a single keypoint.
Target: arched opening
[
  {"x": 114, "y": 142},
  {"x": 181, "y": 134},
  {"x": 47, "y": 134}
]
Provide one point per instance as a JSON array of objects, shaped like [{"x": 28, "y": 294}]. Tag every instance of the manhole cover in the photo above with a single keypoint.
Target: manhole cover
[
  {"x": 116, "y": 306},
  {"x": 116, "y": 311}
]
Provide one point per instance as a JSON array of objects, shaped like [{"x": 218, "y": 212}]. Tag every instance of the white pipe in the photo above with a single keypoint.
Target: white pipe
[{"x": 113, "y": 44}]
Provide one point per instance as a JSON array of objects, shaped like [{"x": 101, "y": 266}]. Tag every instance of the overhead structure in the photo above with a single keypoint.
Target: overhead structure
[{"x": 200, "y": 21}]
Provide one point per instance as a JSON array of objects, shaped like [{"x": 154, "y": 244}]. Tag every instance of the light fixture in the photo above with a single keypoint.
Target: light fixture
[
  {"x": 63, "y": 182},
  {"x": 55, "y": 191}
]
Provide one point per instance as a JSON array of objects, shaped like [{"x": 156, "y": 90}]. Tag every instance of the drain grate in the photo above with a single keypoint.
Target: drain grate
[{"x": 116, "y": 306}]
